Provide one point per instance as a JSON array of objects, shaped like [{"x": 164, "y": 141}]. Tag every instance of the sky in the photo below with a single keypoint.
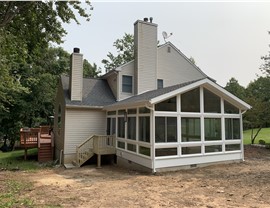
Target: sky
[{"x": 225, "y": 39}]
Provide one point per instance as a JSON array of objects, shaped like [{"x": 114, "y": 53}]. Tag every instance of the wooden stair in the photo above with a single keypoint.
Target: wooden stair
[
  {"x": 45, "y": 152},
  {"x": 95, "y": 144}
]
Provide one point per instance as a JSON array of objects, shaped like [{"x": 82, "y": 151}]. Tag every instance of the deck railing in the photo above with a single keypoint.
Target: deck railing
[
  {"x": 95, "y": 144},
  {"x": 104, "y": 144}
]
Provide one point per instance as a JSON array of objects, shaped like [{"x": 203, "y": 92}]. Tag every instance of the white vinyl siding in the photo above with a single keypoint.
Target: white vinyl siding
[
  {"x": 76, "y": 77},
  {"x": 80, "y": 124},
  {"x": 112, "y": 81},
  {"x": 145, "y": 38},
  {"x": 173, "y": 68}
]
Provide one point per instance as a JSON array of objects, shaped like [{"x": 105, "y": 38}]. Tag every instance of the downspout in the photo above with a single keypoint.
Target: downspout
[
  {"x": 152, "y": 134},
  {"x": 242, "y": 138},
  {"x": 60, "y": 159}
]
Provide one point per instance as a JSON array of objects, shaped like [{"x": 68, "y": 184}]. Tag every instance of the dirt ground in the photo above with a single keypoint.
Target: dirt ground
[{"x": 245, "y": 184}]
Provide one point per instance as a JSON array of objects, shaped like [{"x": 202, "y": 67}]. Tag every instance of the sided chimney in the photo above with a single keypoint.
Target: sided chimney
[
  {"x": 76, "y": 75},
  {"x": 145, "y": 49}
]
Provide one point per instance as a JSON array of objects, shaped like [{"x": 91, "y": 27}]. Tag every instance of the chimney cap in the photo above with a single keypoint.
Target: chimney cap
[
  {"x": 151, "y": 19},
  {"x": 145, "y": 19},
  {"x": 76, "y": 50}
]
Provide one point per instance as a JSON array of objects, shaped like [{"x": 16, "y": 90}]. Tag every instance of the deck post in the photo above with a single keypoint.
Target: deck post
[
  {"x": 25, "y": 153},
  {"x": 99, "y": 161}
]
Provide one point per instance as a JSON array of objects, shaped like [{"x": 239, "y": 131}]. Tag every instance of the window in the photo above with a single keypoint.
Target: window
[
  {"x": 213, "y": 148},
  {"x": 144, "y": 110},
  {"x": 211, "y": 102},
  {"x": 132, "y": 111},
  {"x": 127, "y": 83},
  {"x": 144, "y": 151},
  {"x": 121, "y": 145},
  {"x": 190, "y": 101},
  {"x": 144, "y": 129},
  {"x": 111, "y": 113},
  {"x": 229, "y": 108},
  {"x": 191, "y": 150},
  {"x": 160, "y": 83},
  {"x": 191, "y": 129},
  {"x": 59, "y": 116},
  {"x": 166, "y": 152},
  {"x": 131, "y": 147},
  {"x": 232, "y": 128},
  {"x": 121, "y": 127},
  {"x": 131, "y": 128},
  {"x": 166, "y": 129},
  {"x": 212, "y": 129},
  {"x": 111, "y": 126},
  {"x": 232, "y": 147},
  {"x": 167, "y": 105}
]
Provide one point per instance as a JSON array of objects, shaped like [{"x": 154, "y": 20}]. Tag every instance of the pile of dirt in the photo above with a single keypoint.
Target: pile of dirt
[{"x": 244, "y": 184}]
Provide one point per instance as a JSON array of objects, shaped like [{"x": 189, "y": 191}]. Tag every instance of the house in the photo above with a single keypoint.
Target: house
[{"x": 160, "y": 111}]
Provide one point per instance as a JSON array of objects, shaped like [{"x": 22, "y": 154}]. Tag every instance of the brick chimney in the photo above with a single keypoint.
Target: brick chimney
[
  {"x": 145, "y": 49},
  {"x": 76, "y": 75}
]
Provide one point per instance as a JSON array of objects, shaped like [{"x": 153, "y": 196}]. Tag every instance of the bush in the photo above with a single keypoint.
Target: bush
[{"x": 262, "y": 142}]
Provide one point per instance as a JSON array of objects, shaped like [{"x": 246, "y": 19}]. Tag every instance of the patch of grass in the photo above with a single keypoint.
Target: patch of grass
[
  {"x": 264, "y": 134},
  {"x": 10, "y": 196},
  {"x": 14, "y": 160}
]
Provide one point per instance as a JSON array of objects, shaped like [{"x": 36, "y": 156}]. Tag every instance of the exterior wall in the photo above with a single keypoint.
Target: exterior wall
[
  {"x": 127, "y": 69},
  {"x": 145, "y": 44},
  {"x": 112, "y": 81},
  {"x": 81, "y": 124},
  {"x": 59, "y": 129},
  {"x": 173, "y": 68},
  {"x": 76, "y": 76}
]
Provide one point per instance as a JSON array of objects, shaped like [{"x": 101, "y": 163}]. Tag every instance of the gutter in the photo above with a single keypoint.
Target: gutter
[{"x": 84, "y": 107}]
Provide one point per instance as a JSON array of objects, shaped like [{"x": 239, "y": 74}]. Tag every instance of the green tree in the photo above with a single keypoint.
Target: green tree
[
  {"x": 235, "y": 88},
  {"x": 125, "y": 53},
  {"x": 265, "y": 67},
  {"x": 89, "y": 70},
  {"x": 28, "y": 66},
  {"x": 258, "y": 96}
]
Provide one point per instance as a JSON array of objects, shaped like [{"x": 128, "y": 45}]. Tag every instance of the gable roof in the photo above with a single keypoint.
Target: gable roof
[
  {"x": 156, "y": 96},
  {"x": 96, "y": 93}
]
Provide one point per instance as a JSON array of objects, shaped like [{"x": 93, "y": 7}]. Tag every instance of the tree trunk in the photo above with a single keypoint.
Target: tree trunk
[{"x": 254, "y": 137}]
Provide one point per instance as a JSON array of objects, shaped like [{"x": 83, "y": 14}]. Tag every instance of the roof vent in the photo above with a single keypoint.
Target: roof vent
[
  {"x": 76, "y": 50},
  {"x": 145, "y": 19},
  {"x": 151, "y": 19}
]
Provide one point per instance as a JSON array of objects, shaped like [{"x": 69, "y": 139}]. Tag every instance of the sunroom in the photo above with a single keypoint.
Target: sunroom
[{"x": 184, "y": 125}]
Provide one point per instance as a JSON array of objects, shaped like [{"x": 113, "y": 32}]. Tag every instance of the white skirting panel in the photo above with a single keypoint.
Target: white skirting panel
[
  {"x": 194, "y": 160},
  {"x": 135, "y": 158}
]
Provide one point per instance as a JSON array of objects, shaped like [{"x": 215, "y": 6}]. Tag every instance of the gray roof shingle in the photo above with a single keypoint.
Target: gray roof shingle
[{"x": 96, "y": 93}]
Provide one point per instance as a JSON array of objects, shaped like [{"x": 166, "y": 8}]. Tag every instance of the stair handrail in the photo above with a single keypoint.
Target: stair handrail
[{"x": 78, "y": 158}]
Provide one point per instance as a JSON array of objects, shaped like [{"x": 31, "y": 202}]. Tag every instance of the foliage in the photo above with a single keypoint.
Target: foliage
[
  {"x": 15, "y": 160},
  {"x": 235, "y": 88},
  {"x": 29, "y": 67},
  {"x": 125, "y": 50},
  {"x": 10, "y": 197},
  {"x": 264, "y": 134},
  {"x": 89, "y": 70},
  {"x": 258, "y": 96},
  {"x": 265, "y": 67}
]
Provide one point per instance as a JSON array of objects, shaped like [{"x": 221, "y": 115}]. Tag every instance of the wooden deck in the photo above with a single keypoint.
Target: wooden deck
[
  {"x": 96, "y": 144},
  {"x": 40, "y": 138}
]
